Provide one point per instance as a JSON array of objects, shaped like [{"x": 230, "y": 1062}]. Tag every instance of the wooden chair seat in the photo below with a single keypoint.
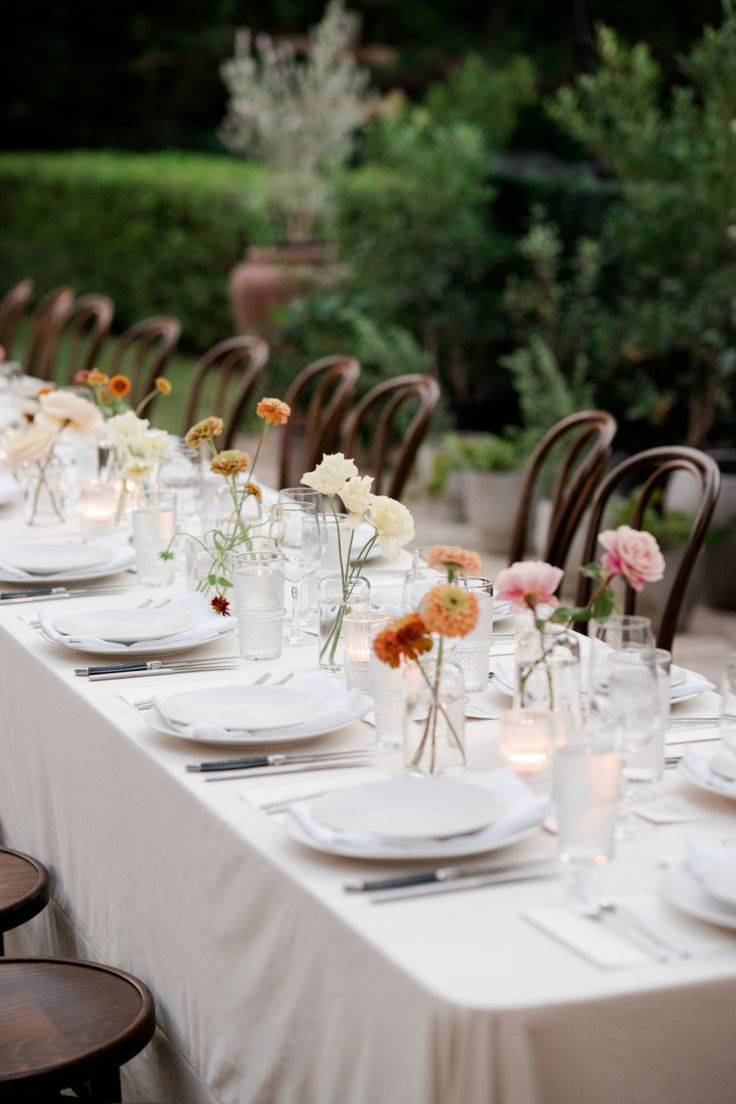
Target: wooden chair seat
[
  {"x": 24, "y": 890},
  {"x": 65, "y": 1024}
]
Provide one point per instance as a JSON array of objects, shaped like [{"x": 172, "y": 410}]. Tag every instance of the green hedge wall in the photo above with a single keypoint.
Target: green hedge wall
[{"x": 156, "y": 232}]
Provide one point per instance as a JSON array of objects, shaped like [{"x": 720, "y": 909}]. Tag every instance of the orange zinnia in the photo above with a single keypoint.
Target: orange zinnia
[
  {"x": 163, "y": 386},
  {"x": 453, "y": 559},
  {"x": 406, "y": 638},
  {"x": 97, "y": 377},
  {"x": 43, "y": 391},
  {"x": 273, "y": 411},
  {"x": 252, "y": 488},
  {"x": 120, "y": 386},
  {"x": 450, "y": 610}
]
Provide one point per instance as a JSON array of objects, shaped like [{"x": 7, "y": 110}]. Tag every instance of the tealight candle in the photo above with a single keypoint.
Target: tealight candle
[
  {"x": 527, "y": 739},
  {"x": 357, "y": 635},
  {"x": 97, "y": 506}
]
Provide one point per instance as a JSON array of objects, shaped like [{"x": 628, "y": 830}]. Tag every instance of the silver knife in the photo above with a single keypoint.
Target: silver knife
[
  {"x": 55, "y": 597},
  {"x": 298, "y": 768},
  {"x": 440, "y": 874},
  {"x": 548, "y": 871},
  {"x": 163, "y": 671}
]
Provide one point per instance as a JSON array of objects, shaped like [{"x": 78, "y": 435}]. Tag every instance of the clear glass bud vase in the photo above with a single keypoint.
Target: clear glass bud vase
[
  {"x": 434, "y": 729},
  {"x": 335, "y": 599},
  {"x": 548, "y": 670},
  {"x": 43, "y": 491}
]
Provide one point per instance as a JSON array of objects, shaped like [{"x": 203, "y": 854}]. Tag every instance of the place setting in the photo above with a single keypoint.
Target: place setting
[{"x": 71, "y": 561}]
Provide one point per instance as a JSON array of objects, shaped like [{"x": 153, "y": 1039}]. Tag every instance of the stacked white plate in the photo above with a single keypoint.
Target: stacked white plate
[
  {"x": 696, "y": 766},
  {"x": 417, "y": 818},
  {"x": 710, "y": 897},
  {"x": 64, "y": 561},
  {"x": 237, "y": 714}
]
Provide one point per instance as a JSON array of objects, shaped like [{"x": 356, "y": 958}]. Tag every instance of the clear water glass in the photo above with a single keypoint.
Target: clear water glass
[
  {"x": 473, "y": 652},
  {"x": 258, "y": 581},
  {"x": 420, "y": 579},
  {"x": 179, "y": 473},
  {"x": 434, "y": 734},
  {"x": 154, "y": 526},
  {"x": 647, "y": 766},
  {"x": 728, "y": 704},
  {"x": 616, "y": 632},
  {"x": 634, "y": 712},
  {"x": 387, "y": 688},
  {"x": 586, "y": 777},
  {"x": 308, "y": 610},
  {"x": 296, "y": 530}
]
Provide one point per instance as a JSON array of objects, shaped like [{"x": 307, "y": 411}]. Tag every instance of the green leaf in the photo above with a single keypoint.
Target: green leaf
[
  {"x": 592, "y": 570},
  {"x": 223, "y": 582},
  {"x": 166, "y": 555},
  {"x": 603, "y": 605},
  {"x": 212, "y": 580}
]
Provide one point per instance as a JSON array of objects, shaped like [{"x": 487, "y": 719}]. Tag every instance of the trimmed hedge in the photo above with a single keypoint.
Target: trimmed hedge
[{"x": 157, "y": 232}]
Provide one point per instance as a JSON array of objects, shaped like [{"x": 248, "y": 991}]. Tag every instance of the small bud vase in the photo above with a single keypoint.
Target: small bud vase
[{"x": 434, "y": 729}]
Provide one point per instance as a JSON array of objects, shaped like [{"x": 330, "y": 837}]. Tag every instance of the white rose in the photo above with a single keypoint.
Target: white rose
[
  {"x": 33, "y": 445},
  {"x": 137, "y": 469},
  {"x": 330, "y": 476},
  {"x": 356, "y": 494},
  {"x": 154, "y": 444},
  {"x": 59, "y": 408},
  {"x": 126, "y": 430},
  {"x": 393, "y": 522}
]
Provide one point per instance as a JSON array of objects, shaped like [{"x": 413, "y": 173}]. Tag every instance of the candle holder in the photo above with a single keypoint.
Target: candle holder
[
  {"x": 358, "y": 629},
  {"x": 258, "y": 578},
  {"x": 97, "y": 506},
  {"x": 527, "y": 739}
]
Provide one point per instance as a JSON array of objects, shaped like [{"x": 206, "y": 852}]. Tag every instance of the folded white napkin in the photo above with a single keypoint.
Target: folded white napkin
[
  {"x": 122, "y": 556},
  {"x": 341, "y": 707},
  {"x": 209, "y": 625},
  {"x": 523, "y": 810},
  {"x": 699, "y": 856},
  {"x": 698, "y": 762}
]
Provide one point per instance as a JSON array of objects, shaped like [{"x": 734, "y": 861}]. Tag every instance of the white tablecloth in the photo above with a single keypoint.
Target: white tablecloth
[{"x": 272, "y": 986}]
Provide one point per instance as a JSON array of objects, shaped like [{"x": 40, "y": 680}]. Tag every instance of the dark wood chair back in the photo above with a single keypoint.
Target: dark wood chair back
[
  {"x": 319, "y": 396},
  {"x": 236, "y": 366},
  {"x": 588, "y": 436},
  {"x": 83, "y": 332},
  {"x": 660, "y": 462},
  {"x": 375, "y": 420},
  {"x": 12, "y": 308},
  {"x": 46, "y": 322},
  {"x": 142, "y": 353}
]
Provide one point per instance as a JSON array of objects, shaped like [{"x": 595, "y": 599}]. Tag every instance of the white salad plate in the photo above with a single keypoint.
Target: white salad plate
[
  {"x": 253, "y": 708},
  {"x": 710, "y": 785},
  {"x": 720, "y": 881},
  {"x": 683, "y": 890},
  {"x": 125, "y": 626},
  {"x": 50, "y": 559},
  {"x": 409, "y": 809},
  {"x": 259, "y": 739}
]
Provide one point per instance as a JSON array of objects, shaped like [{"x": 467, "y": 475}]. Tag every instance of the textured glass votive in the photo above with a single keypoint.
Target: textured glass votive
[
  {"x": 97, "y": 506},
  {"x": 357, "y": 633},
  {"x": 527, "y": 739},
  {"x": 258, "y": 578}
]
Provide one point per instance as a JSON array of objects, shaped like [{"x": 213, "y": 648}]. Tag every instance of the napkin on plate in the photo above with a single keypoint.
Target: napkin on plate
[
  {"x": 122, "y": 556},
  {"x": 700, "y": 856},
  {"x": 342, "y": 707},
  {"x": 523, "y": 810},
  {"x": 209, "y": 626},
  {"x": 698, "y": 762}
]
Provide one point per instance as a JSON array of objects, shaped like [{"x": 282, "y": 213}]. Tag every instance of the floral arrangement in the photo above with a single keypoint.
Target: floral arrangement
[
  {"x": 136, "y": 449},
  {"x": 630, "y": 554},
  {"x": 447, "y": 611},
  {"x": 231, "y": 464},
  {"x": 393, "y": 526},
  {"x": 110, "y": 392},
  {"x": 57, "y": 411}
]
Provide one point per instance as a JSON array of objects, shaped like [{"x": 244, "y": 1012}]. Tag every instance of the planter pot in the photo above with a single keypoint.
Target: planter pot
[
  {"x": 490, "y": 501},
  {"x": 716, "y": 574},
  {"x": 271, "y": 277}
]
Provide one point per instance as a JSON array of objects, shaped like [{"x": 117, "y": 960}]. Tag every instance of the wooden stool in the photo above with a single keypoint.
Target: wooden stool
[
  {"x": 24, "y": 890},
  {"x": 64, "y": 1024}
]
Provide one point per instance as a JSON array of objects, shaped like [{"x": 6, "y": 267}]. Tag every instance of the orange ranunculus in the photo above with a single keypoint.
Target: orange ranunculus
[
  {"x": 450, "y": 610},
  {"x": 273, "y": 411},
  {"x": 405, "y": 638},
  {"x": 120, "y": 386},
  {"x": 163, "y": 385}
]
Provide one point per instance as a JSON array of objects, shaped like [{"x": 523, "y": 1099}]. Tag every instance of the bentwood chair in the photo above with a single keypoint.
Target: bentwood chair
[
  {"x": 237, "y": 365},
  {"x": 24, "y": 890},
  {"x": 586, "y": 438},
  {"x": 142, "y": 353},
  {"x": 376, "y": 420},
  {"x": 82, "y": 332},
  {"x": 660, "y": 462},
  {"x": 12, "y": 308},
  {"x": 319, "y": 397},
  {"x": 46, "y": 322}
]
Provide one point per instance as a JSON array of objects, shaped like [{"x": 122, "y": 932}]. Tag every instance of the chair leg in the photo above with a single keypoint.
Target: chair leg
[
  {"x": 105, "y": 1089},
  {"x": 2, "y": 944}
]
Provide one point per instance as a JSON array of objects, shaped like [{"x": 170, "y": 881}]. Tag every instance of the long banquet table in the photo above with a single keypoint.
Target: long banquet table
[{"x": 272, "y": 985}]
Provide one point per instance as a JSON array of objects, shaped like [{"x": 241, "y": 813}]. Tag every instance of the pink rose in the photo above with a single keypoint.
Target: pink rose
[
  {"x": 633, "y": 554},
  {"x": 528, "y": 584}
]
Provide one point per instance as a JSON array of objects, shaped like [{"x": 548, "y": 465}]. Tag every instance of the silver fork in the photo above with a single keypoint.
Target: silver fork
[
  {"x": 147, "y": 703},
  {"x": 644, "y": 933}
]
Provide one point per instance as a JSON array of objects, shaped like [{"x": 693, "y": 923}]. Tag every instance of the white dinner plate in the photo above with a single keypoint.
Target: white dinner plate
[
  {"x": 125, "y": 626},
  {"x": 720, "y": 881},
  {"x": 409, "y": 809},
  {"x": 50, "y": 559},
  {"x": 686, "y": 893},
  {"x": 261, "y": 740},
  {"x": 152, "y": 649},
  {"x": 436, "y": 850},
  {"x": 702, "y": 784},
  {"x": 256, "y": 708}
]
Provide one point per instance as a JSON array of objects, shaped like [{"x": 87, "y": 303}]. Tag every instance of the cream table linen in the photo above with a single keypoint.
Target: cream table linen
[{"x": 273, "y": 986}]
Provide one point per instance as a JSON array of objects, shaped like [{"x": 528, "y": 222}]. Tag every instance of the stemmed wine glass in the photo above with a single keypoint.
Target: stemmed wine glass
[
  {"x": 296, "y": 530},
  {"x": 306, "y": 494},
  {"x": 634, "y": 710},
  {"x": 420, "y": 579}
]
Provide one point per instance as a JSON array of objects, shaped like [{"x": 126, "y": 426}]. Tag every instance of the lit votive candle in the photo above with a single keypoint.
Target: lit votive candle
[
  {"x": 97, "y": 506},
  {"x": 357, "y": 636},
  {"x": 527, "y": 739}
]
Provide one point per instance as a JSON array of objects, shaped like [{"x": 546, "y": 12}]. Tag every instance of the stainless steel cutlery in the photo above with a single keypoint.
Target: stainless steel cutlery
[
  {"x": 53, "y": 594},
  {"x": 277, "y": 760}
]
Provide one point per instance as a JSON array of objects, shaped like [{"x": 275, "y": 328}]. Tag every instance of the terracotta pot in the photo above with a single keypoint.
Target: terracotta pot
[
  {"x": 270, "y": 277},
  {"x": 490, "y": 502}
]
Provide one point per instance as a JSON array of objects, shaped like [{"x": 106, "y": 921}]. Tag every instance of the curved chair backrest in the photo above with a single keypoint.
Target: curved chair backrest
[
  {"x": 142, "y": 353},
  {"x": 329, "y": 384},
  {"x": 43, "y": 333},
  {"x": 85, "y": 328},
  {"x": 578, "y": 474},
  {"x": 12, "y": 307},
  {"x": 660, "y": 462},
  {"x": 237, "y": 364},
  {"x": 374, "y": 419}
]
